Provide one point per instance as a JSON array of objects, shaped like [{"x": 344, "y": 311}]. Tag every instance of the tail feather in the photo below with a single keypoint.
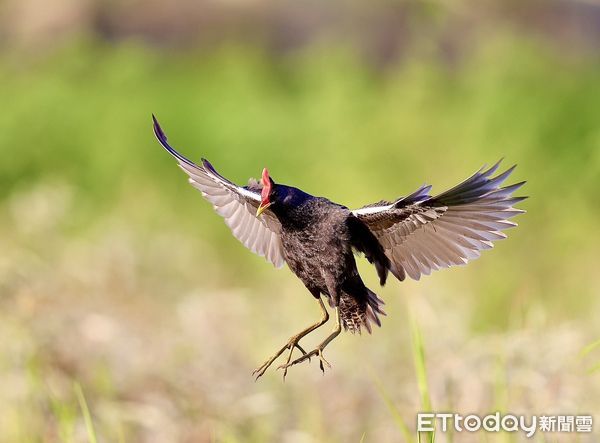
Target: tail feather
[{"x": 358, "y": 311}]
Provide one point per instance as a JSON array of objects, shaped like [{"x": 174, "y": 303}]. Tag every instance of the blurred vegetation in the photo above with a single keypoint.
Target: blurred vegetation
[
  {"x": 117, "y": 275},
  {"x": 322, "y": 122}
]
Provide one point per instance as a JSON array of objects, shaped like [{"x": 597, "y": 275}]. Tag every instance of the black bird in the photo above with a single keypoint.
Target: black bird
[{"x": 317, "y": 238}]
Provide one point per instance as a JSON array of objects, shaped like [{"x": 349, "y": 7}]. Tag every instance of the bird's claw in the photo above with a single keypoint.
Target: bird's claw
[
  {"x": 315, "y": 352},
  {"x": 291, "y": 344},
  {"x": 290, "y": 357},
  {"x": 323, "y": 360},
  {"x": 260, "y": 370}
]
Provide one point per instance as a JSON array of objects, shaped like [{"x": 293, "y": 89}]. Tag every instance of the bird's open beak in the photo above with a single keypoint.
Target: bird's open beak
[{"x": 262, "y": 208}]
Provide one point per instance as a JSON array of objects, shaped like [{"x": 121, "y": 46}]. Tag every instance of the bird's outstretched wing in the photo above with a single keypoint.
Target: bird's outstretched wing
[
  {"x": 236, "y": 204},
  {"x": 420, "y": 233}
]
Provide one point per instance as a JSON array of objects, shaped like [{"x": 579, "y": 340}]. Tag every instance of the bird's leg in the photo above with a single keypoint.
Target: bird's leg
[
  {"x": 293, "y": 343},
  {"x": 318, "y": 351},
  {"x": 323, "y": 320}
]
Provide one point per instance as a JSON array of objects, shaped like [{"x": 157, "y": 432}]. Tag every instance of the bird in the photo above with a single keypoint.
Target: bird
[{"x": 318, "y": 239}]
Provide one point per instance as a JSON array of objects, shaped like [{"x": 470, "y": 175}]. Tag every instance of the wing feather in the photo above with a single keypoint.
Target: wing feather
[
  {"x": 421, "y": 233},
  {"x": 236, "y": 204}
]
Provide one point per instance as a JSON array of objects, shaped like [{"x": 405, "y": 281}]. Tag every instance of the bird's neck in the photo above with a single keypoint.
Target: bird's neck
[{"x": 296, "y": 216}]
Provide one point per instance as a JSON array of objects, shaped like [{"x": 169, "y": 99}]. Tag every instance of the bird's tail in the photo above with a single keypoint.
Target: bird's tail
[{"x": 357, "y": 310}]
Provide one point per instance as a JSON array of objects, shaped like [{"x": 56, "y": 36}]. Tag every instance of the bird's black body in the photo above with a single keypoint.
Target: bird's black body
[
  {"x": 319, "y": 238},
  {"x": 410, "y": 236}
]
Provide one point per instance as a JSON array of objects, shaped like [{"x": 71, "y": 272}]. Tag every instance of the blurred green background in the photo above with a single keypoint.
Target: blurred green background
[{"x": 116, "y": 277}]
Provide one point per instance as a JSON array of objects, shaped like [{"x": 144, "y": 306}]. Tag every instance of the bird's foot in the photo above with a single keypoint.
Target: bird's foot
[
  {"x": 318, "y": 352},
  {"x": 290, "y": 357},
  {"x": 291, "y": 344}
]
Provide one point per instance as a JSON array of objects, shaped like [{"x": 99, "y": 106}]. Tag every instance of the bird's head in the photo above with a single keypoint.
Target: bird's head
[
  {"x": 280, "y": 198},
  {"x": 266, "y": 194}
]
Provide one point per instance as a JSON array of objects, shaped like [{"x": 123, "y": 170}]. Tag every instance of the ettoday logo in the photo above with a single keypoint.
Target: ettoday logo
[{"x": 496, "y": 422}]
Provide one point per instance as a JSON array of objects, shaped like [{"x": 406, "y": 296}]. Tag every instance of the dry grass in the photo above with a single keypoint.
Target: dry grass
[{"x": 169, "y": 359}]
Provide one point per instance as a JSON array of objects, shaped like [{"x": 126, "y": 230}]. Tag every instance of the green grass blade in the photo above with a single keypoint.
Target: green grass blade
[
  {"x": 65, "y": 414},
  {"x": 594, "y": 369},
  {"x": 589, "y": 348},
  {"x": 391, "y": 408},
  {"x": 419, "y": 361},
  {"x": 418, "y": 350},
  {"x": 89, "y": 425}
]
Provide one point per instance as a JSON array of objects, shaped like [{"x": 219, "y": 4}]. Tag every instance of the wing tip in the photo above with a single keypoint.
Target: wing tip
[
  {"x": 162, "y": 139},
  {"x": 514, "y": 187},
  {"x": 493, "y": 168},
  {"x": 510, "y": 170},
  {"x": 208, "y": 165},
  {"x": 158, "y": 132}
]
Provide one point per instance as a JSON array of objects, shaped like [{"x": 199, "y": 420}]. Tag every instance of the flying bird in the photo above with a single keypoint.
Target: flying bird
[{"x": 317, "y": 238}]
